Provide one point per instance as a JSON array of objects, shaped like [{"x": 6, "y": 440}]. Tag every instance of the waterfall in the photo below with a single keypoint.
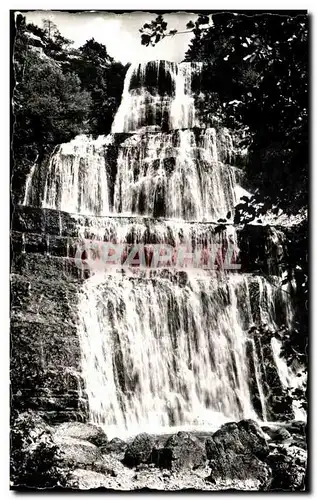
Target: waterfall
[
  {"x": 28, "y": 184},
  {"x": 289, "y": 377},
  {"x": 166, "y": 348},
  {"x": 183, "y": 174},
  {"x": 158, "y": 354},
  {"x": 165, "y": 167},
  {"x": 158, "y": 93},
  {"x": 76, "y": 179},
  {"x": 175, "y": 175}
]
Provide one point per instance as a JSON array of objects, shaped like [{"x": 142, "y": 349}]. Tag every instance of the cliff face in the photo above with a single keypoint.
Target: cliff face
[{"x": 45, "y": 353}]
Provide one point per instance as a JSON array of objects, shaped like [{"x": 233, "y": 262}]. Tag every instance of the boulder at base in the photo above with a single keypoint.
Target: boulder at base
[
  {"x": 34, "y": 454},
  {"x": 237, "y": 454},
  {"x": 181, "y": 451},
  {"x": 140, "y": 450},
  {"x": 288, "y": 464},
  {"x": 84, "y": 432},
  {"x": 76, "y": 452},
  {"x": 116, "y": 445}
]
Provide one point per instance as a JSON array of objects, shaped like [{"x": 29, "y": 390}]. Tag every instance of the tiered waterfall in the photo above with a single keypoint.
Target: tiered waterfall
[{"x": 166, "y": 347}]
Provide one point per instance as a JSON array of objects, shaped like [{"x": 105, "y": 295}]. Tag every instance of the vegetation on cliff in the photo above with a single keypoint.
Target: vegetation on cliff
[{"x": 60, "y": 91}]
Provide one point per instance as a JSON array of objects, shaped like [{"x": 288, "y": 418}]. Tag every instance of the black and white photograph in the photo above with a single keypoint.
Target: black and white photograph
[{"x": 159, "y": 310}]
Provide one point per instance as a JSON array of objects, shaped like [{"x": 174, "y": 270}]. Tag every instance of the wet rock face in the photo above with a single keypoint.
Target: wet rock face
[
  {"x": 236, "y": 452},
  {"x": 45, "y": 352},
  {"x": 181, "y": 451},
  {"x": 45, "y": 369},
  {"x": 139, "y": 451}
]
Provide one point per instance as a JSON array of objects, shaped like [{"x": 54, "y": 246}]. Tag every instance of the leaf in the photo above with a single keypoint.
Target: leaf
[
  {"x": 145, "y": 39},
  {"x": 228, "y": 215},
  {"x": 203, "y": 20},
  {"x": 173, "y": 32},
  {"x": 190, "y": 25},
  {"x": 157, "y": 38}
]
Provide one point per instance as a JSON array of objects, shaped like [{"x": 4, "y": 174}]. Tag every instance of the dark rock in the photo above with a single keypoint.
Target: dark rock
[
  {"x": 58, "y": 302},
  {"x": 237, "y": 452},
  {"x": 252, "y": 361},
  {"x": 85, "y": 432},
  {"x": 288, "y": 466},
  {"x": 35, "y": 243},
  {"x": 280, "y": 404},
  {"x": 45, "y": 354},
  {"x": 58, "y": 417},
  {"x": 44, "y": 344},
  {"x": 297, "y": 427},
  {"x": 293, "y": 431},
  {"x": 277, "y": 434},
  {"x": 116, "y": 445},
  {"x": 181, "y": 451},
  {"x": 169, "y": 165},
  {"x": 139, "y": 451},
  {"x": 245, "y": 435},
  {"x": 47, "y": 267},
  {"x": 34, "y": 456},
  {"x": 71, "y": 401}
]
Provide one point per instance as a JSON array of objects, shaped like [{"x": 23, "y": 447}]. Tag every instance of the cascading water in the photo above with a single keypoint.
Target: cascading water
[
  {"x": 181, "y": 174},
  {"x": 169, "y": 347},
  {"x": 158, "y": 354},
  {"x": 76, "y": 178},
  {"x": 175, "y": 175},
  {"x": 158, "y": 93}
]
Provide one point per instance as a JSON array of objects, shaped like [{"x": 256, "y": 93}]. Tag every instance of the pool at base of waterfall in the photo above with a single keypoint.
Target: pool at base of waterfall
[{"x": 207, "y": 423}]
